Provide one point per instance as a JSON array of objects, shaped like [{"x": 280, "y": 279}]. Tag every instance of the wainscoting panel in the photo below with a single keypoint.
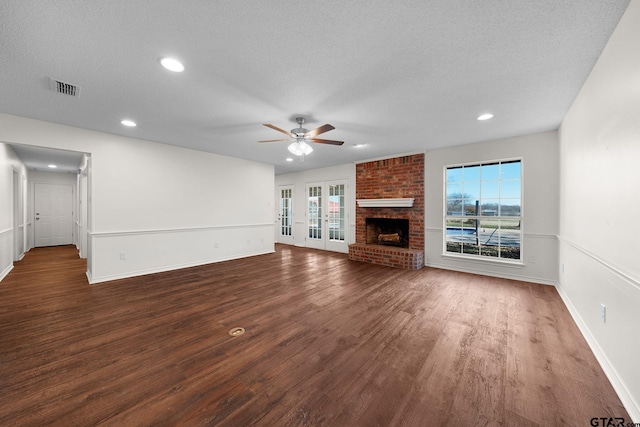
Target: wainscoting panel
[
  {"x": 586, "y": 282},
  {"x": 6, "y": 252},
  {"x": 540, "y": 259},
  {"x": 123, "y": 254}
]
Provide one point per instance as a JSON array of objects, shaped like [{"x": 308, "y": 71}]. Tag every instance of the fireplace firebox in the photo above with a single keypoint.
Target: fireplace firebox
[{"x": 388, "y": 232}]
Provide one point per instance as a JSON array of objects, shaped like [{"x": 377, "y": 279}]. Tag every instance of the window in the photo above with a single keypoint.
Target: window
[{"x": 483, "y": 204}]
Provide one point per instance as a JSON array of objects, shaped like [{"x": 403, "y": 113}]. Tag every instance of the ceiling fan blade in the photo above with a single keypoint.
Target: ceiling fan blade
[
  {"x": 273, "y": 140},
  {"x": 318, "y": 131},
  {"x": 326, "y": 141},
  {"x": 276, "y": 128}
]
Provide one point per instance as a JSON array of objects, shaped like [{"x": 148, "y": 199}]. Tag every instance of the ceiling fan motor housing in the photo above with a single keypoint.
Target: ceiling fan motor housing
[{"x": 299, "y": 132}]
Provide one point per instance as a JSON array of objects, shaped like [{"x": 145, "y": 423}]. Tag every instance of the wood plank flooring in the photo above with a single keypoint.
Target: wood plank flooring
[{"x": 328, "y": 342}]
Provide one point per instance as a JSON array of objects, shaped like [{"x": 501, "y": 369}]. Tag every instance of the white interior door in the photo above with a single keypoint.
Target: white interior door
[
  {"x": 327, "y": 216},
  {"x": 285, "y": 215},
  {"x": 53, "y": 215}
]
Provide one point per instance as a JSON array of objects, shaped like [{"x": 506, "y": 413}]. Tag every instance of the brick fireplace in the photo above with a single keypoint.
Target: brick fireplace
[{"x": 390, "y": 189}]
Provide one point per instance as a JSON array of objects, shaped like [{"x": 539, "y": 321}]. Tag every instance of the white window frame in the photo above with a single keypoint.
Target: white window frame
[{"x": 479, "y": 217}]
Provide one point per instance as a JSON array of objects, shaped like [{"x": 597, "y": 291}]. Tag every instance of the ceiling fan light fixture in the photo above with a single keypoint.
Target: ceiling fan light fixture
[{"x": 300, "y": 148}]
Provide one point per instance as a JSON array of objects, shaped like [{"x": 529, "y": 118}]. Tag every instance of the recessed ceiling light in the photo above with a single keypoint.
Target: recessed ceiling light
[
  {"x": 129, "y": 123},
  {"x": 289, "y": 159},
  {"x": 358, "y": 145},
  {"x": 172, "y": 64},
  {"x": 52, "y": 166},
  {"x": 486, "y": 116}
]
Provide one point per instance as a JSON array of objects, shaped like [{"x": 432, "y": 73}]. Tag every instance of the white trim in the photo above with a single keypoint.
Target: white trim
[
  {"x": 169, "y": 268},
  {"x": 529, "y": 235},
  {"x": 635, "y": 281},
  {"x": 174, "y": 230},
  {"x": 386, "y": 203},
  {"x": 632, "y": 407},
  {"x": 541, "y": 236},
  {"x": 6, "y": 231},
  {"x": 6, "y": 271}
]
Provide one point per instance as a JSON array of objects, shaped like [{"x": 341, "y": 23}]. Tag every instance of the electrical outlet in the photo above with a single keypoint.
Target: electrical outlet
[
  {"x": 123, "y": 256},
  {"x": 603, "y": 313}
]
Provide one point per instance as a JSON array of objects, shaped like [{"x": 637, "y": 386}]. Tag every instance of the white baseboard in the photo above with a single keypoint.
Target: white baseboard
[
  {"x": 6, "y": 271},
  {"x": 94, "y": 280},
  {"x": 618, "y": 385},
  {"x": 501, "y": 275}
]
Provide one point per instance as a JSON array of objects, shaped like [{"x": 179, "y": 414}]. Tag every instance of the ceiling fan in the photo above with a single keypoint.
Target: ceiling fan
[{"x": 299, "y": 137}]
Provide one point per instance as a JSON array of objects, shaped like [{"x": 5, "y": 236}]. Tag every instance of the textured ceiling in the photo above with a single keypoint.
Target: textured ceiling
[{"x": 399, "y": 77}]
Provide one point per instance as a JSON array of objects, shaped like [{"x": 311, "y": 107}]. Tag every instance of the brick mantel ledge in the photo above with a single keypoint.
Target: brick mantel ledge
[{"x": 386, "y": 203}]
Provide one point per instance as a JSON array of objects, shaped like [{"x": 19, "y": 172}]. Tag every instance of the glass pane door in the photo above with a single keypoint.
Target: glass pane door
[
  {"x": 286, "y": 228},
  {"x": 284, "y": 232},
  {"x": 336, "y": 213},
  {"x": 337, "y": 217},
  {"x": 314, "y": 213},
  {"x": 327, "y": 216}
]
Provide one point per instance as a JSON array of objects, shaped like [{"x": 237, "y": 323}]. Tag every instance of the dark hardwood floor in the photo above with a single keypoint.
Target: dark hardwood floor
[{"x": 328, "y": 342}]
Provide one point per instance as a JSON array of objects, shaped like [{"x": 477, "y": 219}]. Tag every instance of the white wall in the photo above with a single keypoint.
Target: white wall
[
  {"x": 158, "y": 206},
  {"x": 600, "y": 209},
  {"x": 9, "y": 162},
  {"x": 539, "y": 154},
  {"x": 299, "y": 182}
]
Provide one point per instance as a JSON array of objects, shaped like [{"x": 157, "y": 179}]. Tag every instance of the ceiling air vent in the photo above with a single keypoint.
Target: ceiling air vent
[{"x": 64, "y": 88}]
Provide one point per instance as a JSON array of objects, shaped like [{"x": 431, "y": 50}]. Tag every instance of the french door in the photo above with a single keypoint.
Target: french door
[
  {"x": 285, "y": 214},
  {"x": 327, "y": 216}
]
